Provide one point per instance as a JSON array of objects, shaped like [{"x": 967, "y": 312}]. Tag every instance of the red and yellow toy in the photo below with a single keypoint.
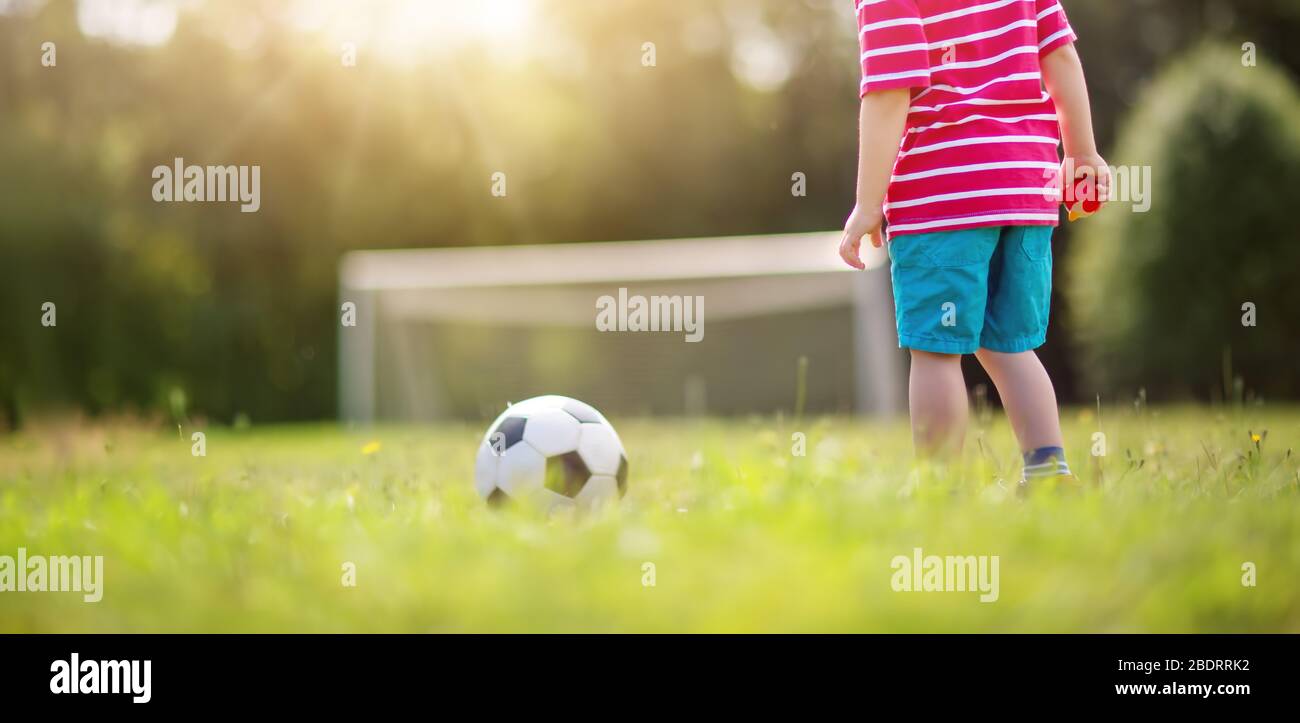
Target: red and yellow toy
[{"x": 1081, "y": 199}]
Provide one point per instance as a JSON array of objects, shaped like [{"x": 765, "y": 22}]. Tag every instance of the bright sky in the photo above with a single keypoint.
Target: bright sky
[
  {"x": 144, "y": 22},
  {"x": 408, "y": 31},
  {"x": 400, "y": 30}
]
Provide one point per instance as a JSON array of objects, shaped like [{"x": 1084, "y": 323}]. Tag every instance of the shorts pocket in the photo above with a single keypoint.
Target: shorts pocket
[{"x": 1036, "y": 242}]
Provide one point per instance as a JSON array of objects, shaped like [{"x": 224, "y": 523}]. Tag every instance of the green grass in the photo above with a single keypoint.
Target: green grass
[{"x": 744, "y": 536}]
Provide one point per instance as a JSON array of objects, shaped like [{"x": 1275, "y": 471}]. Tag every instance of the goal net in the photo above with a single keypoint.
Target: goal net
[{"x": 675, "y": 327}]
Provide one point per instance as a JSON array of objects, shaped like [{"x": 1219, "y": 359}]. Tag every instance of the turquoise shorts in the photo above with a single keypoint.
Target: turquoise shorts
[{"x": 984, "y": 288}]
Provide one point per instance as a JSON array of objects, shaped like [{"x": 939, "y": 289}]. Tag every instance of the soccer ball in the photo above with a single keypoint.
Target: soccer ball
[{"x": 554, "y": 451}]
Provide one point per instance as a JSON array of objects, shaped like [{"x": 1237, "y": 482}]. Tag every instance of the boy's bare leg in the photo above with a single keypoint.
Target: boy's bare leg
[
  {"x": 937, "y": 399},
  {"x": 1027, "y": 395}
]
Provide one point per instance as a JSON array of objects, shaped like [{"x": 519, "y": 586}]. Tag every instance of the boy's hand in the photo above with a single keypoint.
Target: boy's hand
[
  {"x": 1085, "y": 184},
  {"x": 861, "y": 223},
  {"x": 1085, "y": 166}
]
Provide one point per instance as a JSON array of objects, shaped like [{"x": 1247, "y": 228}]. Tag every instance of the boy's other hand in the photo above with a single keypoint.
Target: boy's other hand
[{"x": 861, "y": 223}]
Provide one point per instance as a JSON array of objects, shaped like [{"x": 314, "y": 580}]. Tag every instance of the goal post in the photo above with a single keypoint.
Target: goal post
[{"x": 458, "y": 332}]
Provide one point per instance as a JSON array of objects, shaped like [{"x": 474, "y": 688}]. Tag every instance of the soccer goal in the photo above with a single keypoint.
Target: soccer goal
[{"x": 673, "y": 327}]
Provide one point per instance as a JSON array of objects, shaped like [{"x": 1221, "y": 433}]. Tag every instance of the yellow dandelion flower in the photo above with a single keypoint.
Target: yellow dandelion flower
[{"x": 371, "y": 447}]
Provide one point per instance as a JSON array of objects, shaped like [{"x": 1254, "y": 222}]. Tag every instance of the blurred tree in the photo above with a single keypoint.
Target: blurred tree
[{"x": 1166, "y": 299}]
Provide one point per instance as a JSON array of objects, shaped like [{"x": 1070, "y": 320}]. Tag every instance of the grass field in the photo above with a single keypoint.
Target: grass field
[{"x": 743, "y": 535}]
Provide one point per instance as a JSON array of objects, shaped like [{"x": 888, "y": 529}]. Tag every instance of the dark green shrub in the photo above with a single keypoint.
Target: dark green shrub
[{"x": 1157, "y": 297}]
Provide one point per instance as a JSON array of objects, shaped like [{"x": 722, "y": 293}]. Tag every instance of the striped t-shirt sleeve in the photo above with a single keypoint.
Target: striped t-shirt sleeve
[
  {"x": 1053, "y": 27},
  {"x": 895, "y": 53}
]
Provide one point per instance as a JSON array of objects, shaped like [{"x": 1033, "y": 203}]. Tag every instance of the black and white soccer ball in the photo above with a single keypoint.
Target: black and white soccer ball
[{"x": 553, "y": 451}]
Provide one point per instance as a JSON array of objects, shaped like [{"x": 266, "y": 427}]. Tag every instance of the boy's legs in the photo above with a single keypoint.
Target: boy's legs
[
  {"x": 937, "y": 401},
  {"x": 1027, "y": 395},
  {"x": 985, "y": 290}
]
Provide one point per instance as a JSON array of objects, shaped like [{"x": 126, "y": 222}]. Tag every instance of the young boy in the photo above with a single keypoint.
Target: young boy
[{"x": 968, "y": 198}]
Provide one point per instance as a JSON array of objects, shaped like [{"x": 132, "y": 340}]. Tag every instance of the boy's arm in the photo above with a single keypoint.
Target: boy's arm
[
  {"x": 881, "y": 122},
  {"x": 1063, "y": 76}
]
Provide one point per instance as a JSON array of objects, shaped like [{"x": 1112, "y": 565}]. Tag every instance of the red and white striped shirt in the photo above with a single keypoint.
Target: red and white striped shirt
[{"x": 982, "y": 134}]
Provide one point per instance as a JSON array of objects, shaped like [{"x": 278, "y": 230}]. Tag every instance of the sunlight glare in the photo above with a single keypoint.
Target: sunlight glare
[{"x": 406, "y": 30}]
